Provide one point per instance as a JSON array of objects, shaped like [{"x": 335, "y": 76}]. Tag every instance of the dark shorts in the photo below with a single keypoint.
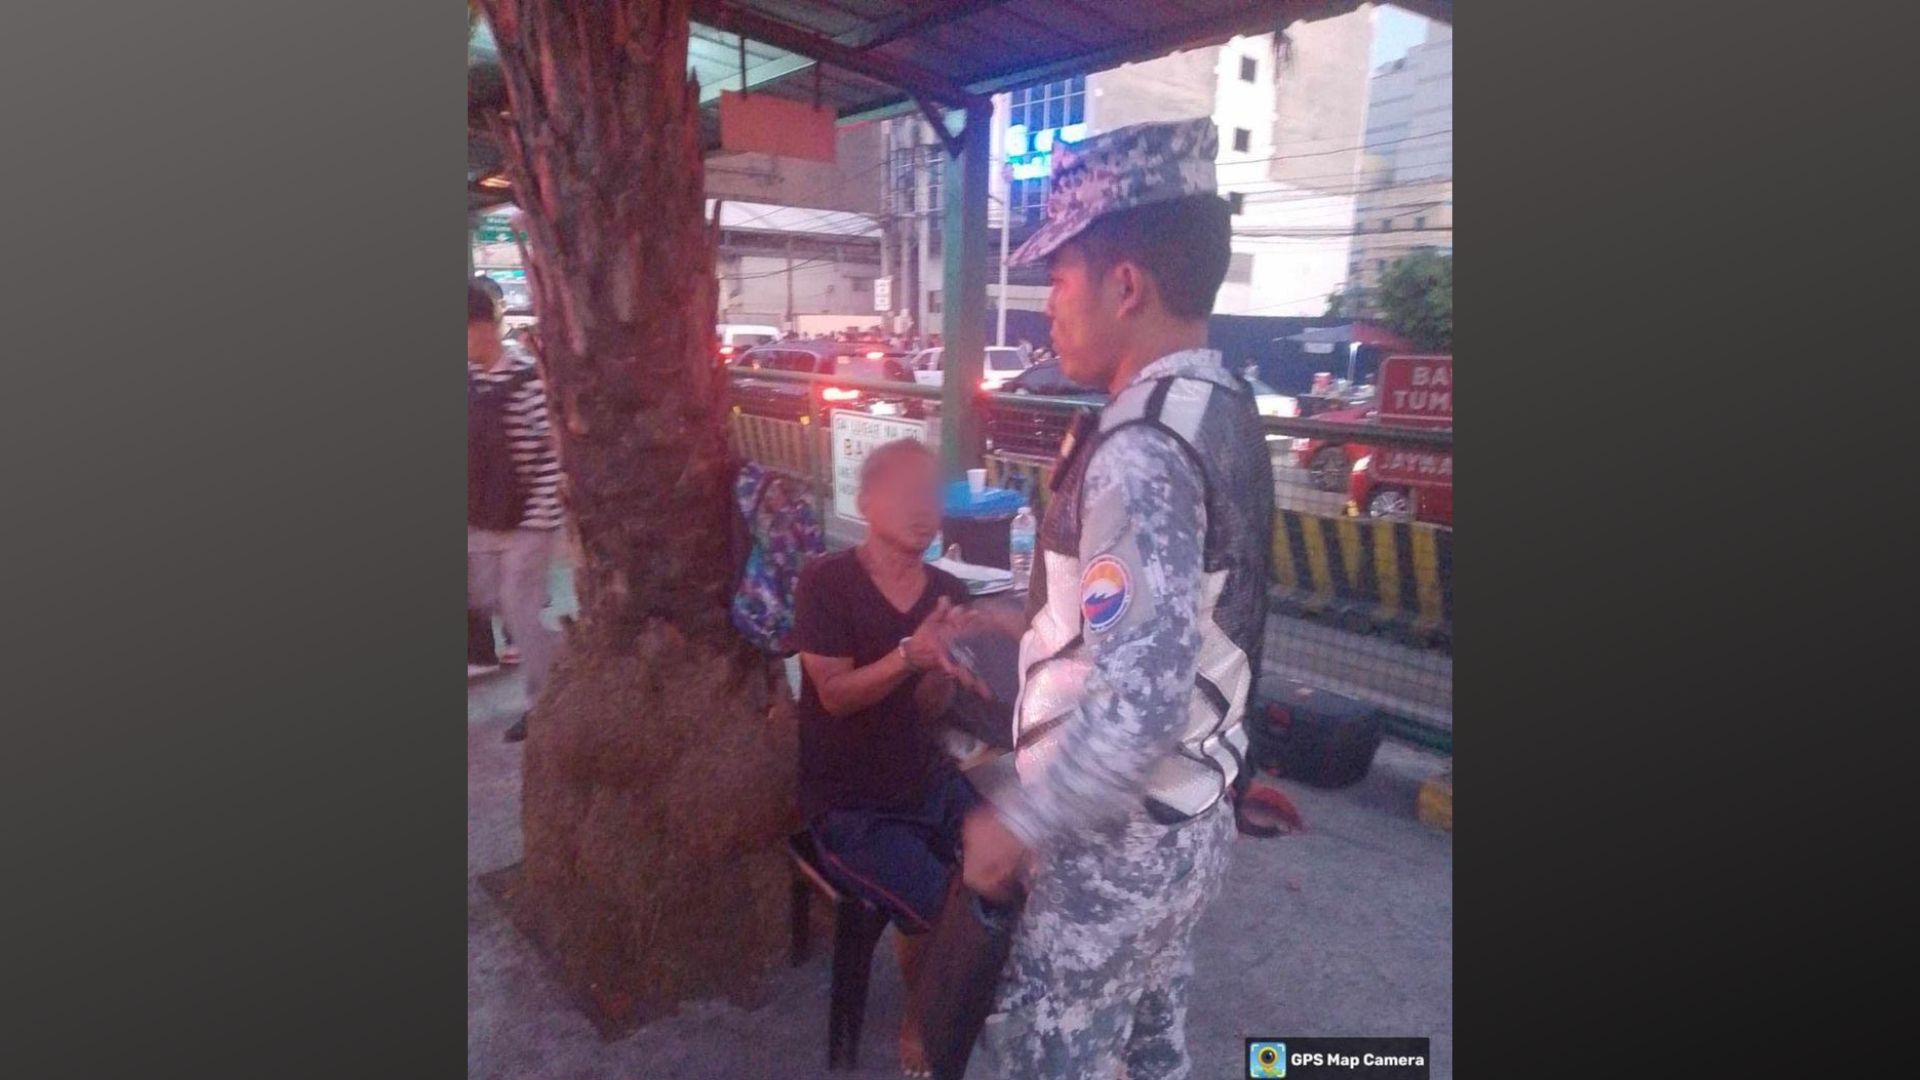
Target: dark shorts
[{"x": 899, "y": 862}]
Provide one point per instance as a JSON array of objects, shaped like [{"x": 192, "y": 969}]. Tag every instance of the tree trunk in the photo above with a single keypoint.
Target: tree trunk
[{"x": 658, "y": 771}]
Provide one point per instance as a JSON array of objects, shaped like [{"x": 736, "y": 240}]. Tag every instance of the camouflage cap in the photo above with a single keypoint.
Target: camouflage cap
[{"x": 1119, "y": 170}]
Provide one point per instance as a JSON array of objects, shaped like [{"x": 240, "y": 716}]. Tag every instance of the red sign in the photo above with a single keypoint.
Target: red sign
[
  {"x": 1414, "y": 466},
  {"x": 1415, "y": 391},
  {"x": 771, "y": 125}
]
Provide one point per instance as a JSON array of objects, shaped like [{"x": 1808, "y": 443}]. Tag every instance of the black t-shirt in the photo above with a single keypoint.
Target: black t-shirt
[{"x": 882, "y": 757}]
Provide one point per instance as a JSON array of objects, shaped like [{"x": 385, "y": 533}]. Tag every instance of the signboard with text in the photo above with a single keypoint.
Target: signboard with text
[
  {"x": 493, "y": 230},
  {"x": 883, "y": 294},
  {"x": 1414, "y": 466},
  {"x": 854, "y": 437},
  {"x": 1415, "y": 391}
]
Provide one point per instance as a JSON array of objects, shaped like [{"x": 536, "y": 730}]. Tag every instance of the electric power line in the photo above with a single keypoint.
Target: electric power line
[
  {"x": 1309, "y": 233},
  {"x": 1344, "y": 150},
  {"x": 801, "y": 265}
]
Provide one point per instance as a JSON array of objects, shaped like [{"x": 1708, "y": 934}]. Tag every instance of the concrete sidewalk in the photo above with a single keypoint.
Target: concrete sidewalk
[{"x": 1345, "y": 929}]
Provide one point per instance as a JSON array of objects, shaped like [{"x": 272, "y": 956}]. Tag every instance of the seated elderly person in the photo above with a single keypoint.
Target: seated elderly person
[{"x": 883, "y": 800}]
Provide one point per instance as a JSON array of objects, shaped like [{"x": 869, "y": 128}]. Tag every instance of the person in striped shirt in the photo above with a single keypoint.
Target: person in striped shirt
[{"x": 508, "y": 570}]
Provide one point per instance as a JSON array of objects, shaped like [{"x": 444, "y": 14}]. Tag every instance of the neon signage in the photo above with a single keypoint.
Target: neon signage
[{"x": 1030, "y": 155}]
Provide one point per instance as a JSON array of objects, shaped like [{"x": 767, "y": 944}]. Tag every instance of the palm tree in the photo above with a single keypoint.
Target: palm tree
[{"x": 658, "y": 767}]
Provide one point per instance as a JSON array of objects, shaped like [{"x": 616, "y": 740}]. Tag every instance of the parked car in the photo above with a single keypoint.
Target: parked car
[
  {"x": 791, "y": 400},
  {"x": 1047, "y": 378},
  {"x": 1329, "y": 462},
  {"x": 1003, "y": 363},
  {"x": 1396, "y": 502},
  {"x": 1036, "y": 429}
]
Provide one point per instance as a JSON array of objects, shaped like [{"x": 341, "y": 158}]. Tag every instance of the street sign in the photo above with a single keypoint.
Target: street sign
[
  {"x": 493, "y": 230},
  {"x": 883, "y": 294},
  {"x": 854, "y": 437},
  {"x": 1415, "y": 391}
]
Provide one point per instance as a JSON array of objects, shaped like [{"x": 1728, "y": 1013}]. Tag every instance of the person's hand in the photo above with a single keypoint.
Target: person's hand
[
  {"x": 931, "y": 647},
  {"x": 927, "y": 649},
  {"x": 991, "y": 857},
  {"x": 998, "y": 615}
]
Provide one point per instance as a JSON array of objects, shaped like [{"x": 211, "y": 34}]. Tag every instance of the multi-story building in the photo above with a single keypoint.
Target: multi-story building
[
  {"x": 1290, "y": 108},
  {"x": 778, "y": 265},
  {"x": 799, "y": 239},
  {"x": 1406, "y": 201}
]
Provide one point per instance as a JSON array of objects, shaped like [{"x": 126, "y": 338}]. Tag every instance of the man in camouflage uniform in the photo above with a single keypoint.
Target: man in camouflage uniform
[{"x": 1145, "y": 619}]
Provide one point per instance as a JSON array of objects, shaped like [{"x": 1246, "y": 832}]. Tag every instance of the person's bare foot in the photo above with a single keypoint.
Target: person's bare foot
[
  {"x": 910, "y": 948},
  {"x": 913, "y": 1054}
]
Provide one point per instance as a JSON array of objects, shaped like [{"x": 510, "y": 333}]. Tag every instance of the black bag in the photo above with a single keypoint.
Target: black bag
[
  {"x": 1315, "y": 736},
  {"x": 496, "y": 497}
]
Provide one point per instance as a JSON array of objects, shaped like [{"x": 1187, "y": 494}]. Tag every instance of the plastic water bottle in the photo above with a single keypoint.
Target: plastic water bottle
[
  {"x": 1020, "y": 548},
  {"x": 934, "y": 550}
]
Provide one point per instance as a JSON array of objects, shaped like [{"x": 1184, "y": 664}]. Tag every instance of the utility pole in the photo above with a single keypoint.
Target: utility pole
[
  {"x": 886, "y": 220},
  {"x": 923, "y": 213},
  {"x": 789, "y": 327}
]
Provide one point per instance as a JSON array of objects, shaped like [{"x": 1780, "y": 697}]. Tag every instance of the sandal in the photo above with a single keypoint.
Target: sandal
[{"x": 1266, "y": 812}]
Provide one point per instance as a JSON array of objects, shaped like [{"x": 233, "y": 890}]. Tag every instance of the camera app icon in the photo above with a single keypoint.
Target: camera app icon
[{"x": 1266, "y": 1059}]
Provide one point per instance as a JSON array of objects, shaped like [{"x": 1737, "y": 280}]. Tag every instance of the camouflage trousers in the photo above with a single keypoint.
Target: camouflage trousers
[{"x": 1096, "y": 985}]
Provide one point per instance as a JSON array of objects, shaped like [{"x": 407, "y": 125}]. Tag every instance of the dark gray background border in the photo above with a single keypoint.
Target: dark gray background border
[
  {"x": 234, "y": 785},
  {"x": 234, "y": 771}
]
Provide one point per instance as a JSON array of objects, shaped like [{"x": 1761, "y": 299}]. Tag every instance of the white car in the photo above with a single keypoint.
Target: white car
[
  {"x": 1003, "y": 363},
  {"x": 1270, "y": 402},
  {"x": 736, "y": 338}
]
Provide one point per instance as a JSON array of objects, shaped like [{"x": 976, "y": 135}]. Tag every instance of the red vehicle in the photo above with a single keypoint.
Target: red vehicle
[
  {"x": 1396, "y": 502},
  {"x": 1328, "y": 462}
]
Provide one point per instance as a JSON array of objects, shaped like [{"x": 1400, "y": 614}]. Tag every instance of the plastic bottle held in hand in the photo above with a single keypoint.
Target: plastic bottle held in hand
[{"x": 1020, "y": 548}]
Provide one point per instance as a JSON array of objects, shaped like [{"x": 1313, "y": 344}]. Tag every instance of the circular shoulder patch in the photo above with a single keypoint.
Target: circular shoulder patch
[{"x": 1106, "y": 588}]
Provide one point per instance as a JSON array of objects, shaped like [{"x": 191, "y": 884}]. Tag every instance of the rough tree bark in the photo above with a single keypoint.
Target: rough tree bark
[{"x": 658, "y": 767}]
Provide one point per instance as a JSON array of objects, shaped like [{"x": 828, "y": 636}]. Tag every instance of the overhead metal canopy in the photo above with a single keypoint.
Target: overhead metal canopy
[
  {"x": 979, "y": 47},
  {"x": 875, "y": 57}
]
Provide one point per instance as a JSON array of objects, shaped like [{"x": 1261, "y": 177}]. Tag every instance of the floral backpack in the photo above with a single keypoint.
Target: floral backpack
[{"x": 775, "y": 534}]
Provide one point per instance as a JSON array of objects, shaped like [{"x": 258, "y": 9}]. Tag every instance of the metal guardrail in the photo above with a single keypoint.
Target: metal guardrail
[
  {"x": 1298, "y": 427},
  {"x": 1441, "y": 439},
  {"x": 891, "y": 386}
]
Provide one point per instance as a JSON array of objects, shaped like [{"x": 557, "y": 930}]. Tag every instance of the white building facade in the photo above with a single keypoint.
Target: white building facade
[
  {"x": 1406, "y": 202},
  {"x": 1280, "y": 102}
]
